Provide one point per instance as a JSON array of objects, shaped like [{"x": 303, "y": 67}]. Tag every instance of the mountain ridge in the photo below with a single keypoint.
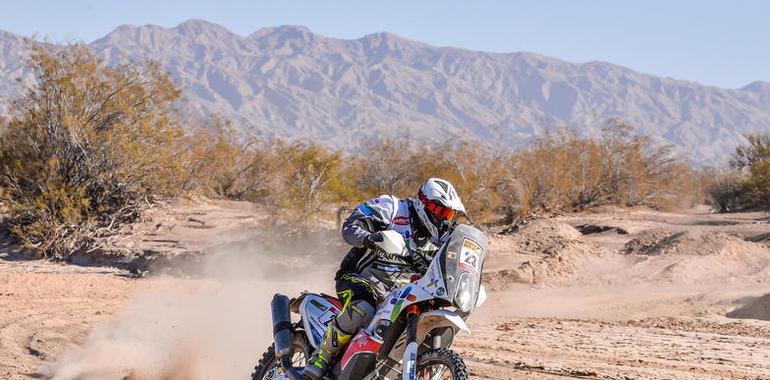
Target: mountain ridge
[{"x": 287, "y": 81}]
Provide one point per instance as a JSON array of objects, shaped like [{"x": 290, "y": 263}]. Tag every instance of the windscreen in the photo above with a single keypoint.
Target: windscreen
[{"x": 464, "y": 261}]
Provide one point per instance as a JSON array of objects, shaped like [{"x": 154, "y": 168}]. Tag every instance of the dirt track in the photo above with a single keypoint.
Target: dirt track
[
  {"x": 605, "y": 315},
  {"x": 46, "y": 308},
  {"x": 549, "y": 348}
]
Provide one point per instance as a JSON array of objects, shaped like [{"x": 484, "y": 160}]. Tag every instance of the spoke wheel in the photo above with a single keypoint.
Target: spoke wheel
[
  {"x": 441, "y": 364},
  {"x": 268, "y": 368},
  {"x": 435, "y": 372}
]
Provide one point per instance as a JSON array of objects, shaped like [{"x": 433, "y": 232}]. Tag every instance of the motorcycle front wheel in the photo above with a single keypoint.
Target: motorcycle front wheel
[
  {"x": 441, "y": 364},
  {"x": 268, "y": 367}
]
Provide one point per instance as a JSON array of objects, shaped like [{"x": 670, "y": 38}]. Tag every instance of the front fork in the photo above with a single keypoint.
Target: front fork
[{"x": 409, "y": 366}]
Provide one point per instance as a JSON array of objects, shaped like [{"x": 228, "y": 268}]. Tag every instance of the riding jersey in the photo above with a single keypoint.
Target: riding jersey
[{"x": 382, "y": 270}]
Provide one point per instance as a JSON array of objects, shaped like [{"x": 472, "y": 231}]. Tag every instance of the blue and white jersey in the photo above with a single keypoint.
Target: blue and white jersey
[
  {"x": 391, "y": 211},
  {"x": 385, "y": 212}
]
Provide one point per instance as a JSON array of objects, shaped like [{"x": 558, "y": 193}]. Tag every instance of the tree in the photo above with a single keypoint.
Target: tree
[
  {"x": 387, "y": 167},
  {"x": 752, "y": 160},
  {"x": 85, "y": 147},
  {"x": 312, "y": 171},
  {"x": 755, "y": 151}
]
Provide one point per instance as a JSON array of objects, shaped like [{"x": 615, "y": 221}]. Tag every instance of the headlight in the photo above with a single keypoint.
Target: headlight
[{"x": 466, "y": 292}]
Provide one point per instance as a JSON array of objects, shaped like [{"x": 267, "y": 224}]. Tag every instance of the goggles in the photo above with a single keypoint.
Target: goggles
[{"x": 436, "y": 210}]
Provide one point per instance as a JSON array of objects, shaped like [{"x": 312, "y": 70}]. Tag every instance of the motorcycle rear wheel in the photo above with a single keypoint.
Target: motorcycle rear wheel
[{"x": 267, "y": 368}]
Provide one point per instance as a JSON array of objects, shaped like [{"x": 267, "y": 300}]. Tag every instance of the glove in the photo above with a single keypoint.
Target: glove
[{"x": 371, "y": 240}]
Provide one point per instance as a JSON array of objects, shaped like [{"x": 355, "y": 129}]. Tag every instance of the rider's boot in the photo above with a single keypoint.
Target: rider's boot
[
  {"x": 334, "y": 340},
  {"x": 350, "y": 319}
]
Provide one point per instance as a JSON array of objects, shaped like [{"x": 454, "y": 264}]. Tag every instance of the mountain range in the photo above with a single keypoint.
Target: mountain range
[{"x": 290, "y": 82}]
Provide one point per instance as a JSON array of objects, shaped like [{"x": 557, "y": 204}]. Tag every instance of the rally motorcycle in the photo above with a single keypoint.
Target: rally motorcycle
[{"x": 412, "y": 329}]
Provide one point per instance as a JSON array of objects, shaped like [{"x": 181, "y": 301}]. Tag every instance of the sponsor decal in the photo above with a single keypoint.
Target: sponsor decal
[
  {"x": 435, "y": 278},
  {"x": 440, "y": 292},
  {"x": 381, "y": 329},
  {"x": 412, "y": 360},
  {"x": 396, "y": 310},
  {"x": 470, "y": 256},
  {"x": 388, "y": 268},
  {"x": 401, "y": 220},
  {"x": 399, "y": 303}
]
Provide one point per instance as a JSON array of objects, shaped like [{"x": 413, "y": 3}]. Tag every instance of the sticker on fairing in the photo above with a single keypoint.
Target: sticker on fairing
[
  {"x": 470, "y": 256},
  {"x": 399, "y": 303}
]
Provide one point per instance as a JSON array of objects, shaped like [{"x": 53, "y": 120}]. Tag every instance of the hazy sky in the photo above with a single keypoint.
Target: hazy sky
[{"x": 723, "y": 43}]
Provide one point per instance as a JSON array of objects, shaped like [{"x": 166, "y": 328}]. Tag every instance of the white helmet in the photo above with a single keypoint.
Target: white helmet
[{"x": 437, "y": 204}]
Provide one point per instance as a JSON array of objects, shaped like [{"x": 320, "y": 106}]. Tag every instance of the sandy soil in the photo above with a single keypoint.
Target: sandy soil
[{"x": 638, "y": 295}]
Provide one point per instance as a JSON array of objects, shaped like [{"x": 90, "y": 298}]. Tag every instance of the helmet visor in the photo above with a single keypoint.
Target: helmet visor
[{"x": 437, "y": 211}]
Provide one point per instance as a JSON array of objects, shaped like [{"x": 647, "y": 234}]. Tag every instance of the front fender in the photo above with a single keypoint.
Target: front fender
[
  {"x": 429, "y": 321},
  {"x": 440, "y": 318}
]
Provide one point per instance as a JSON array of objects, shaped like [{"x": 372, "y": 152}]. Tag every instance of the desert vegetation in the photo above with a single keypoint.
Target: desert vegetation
[
  {"x": 89, "y": 146},
  {"x": 85, "y": 148},
  {"x": 747, "y": 183}
]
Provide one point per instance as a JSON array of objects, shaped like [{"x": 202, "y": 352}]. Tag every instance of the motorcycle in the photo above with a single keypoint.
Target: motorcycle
[{"x": 413, "y": 328}]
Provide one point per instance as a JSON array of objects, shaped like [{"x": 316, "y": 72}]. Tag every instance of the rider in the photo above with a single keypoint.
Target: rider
[{"x": 367, "y": 273}]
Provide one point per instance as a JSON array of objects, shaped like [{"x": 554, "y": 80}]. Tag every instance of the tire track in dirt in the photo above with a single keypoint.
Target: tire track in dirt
[
  {"x": 43, "y": 314},
  {"x": 553, "y": 348},
  {"x": 45, "y": 308}
]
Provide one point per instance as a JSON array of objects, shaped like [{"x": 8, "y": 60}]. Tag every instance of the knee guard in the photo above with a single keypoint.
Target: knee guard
[{"x": 356, "y": 315}]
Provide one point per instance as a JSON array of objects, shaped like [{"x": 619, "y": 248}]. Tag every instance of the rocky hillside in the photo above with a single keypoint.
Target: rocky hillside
[{"x": 290, "y": 82}]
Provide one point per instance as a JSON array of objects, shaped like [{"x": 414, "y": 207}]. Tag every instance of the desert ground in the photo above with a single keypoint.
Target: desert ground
[{"x": 610, "y": 294}]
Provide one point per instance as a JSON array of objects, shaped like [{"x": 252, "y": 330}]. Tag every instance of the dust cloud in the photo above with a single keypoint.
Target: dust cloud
[{"x": 214, "y": 325}]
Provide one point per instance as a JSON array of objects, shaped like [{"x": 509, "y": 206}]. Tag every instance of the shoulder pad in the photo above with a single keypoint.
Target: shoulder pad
[{"x": 382, "y": 208}]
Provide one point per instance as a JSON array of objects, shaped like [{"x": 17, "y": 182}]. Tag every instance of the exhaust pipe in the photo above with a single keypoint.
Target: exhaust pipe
[{"x": 283, "y": 335}]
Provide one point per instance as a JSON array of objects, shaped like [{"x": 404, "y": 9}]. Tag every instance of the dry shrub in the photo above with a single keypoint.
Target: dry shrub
[
  {"x": 635, "y": 171},
  {"x": 478, "y": 172},
  {"x": 312, "y": 177},
  {"x": 755, "y": 151},
  {"x": 568, "y": 173},
  {"x": 758, "y": 185},
  {"x": 725, "y": 190},
  {"x": 392, "y": 167},
  {"x": 292, "y": 180},
  {"x": 385, "y": 167},
  {"x": 89, "y": 145},
  {"x": 556, "y": 173},
  {"x": 85, "y": 147},
  {"x": 748, "y": 184},
  {"x": 223, "y": 165},
  {"x": 753, "y": 159}
]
